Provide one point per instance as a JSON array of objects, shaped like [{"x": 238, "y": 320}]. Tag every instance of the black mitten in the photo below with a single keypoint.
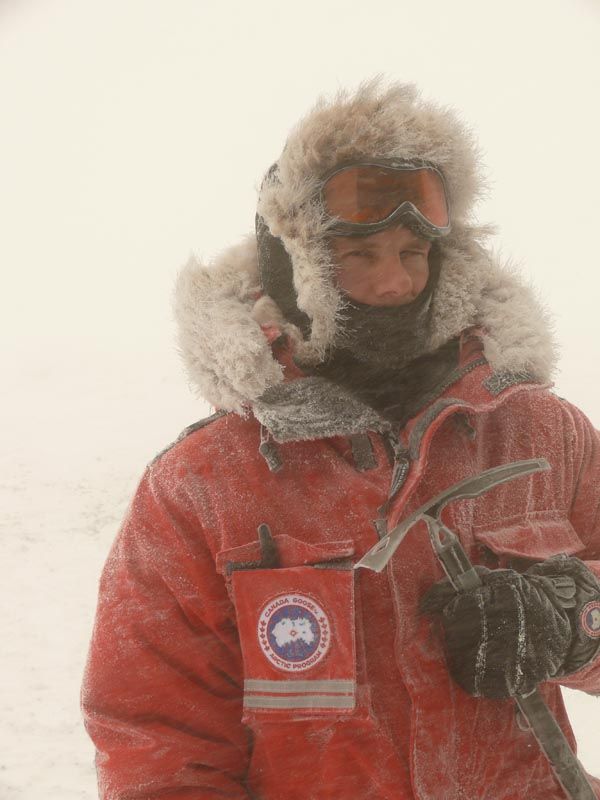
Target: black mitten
[
  {"x": 583, "y": 608},
  {"x": 517, "y": 630}
]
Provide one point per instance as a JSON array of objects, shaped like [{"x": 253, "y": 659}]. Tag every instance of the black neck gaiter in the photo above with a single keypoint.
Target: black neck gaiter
[
  {"x": 386, "y": 336},
  {"x": 381, "y": 354}
]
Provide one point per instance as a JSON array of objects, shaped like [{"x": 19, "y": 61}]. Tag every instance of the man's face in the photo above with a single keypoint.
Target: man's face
[{"x": 389, "y": 268}]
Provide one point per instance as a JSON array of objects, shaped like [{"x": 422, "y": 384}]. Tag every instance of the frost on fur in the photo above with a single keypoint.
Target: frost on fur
[
  {"x": 519, "y": 328},
  {"x": 377, "y": 121},
  {"x": 223, "y": 348},
  {"x": 219, "y": 318},
  {"x": 229, "y": 360}
]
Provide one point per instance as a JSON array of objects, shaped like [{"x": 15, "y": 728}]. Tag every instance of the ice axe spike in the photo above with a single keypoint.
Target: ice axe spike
[{"x": 457, "y": 566}]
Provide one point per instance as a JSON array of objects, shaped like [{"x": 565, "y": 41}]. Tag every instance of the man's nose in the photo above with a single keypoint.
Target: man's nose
[{"x": 393, "y": 279}]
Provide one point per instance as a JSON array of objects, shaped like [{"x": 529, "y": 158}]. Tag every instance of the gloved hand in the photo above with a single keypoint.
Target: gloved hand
[{"x": 517, "y": 630}]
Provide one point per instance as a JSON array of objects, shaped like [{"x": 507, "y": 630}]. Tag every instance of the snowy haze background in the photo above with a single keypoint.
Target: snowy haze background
[{"x": 134, "y": 132}]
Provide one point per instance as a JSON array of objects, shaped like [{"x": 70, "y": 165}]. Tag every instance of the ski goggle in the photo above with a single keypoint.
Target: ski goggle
[{"x": 367, "y": 197}]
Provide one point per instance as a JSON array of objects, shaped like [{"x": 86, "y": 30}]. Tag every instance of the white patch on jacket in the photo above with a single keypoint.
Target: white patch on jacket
[{"x": 293, "y": 630}]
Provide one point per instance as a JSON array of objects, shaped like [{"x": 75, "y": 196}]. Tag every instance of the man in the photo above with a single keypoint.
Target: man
[{"x": 364, "y": 353}]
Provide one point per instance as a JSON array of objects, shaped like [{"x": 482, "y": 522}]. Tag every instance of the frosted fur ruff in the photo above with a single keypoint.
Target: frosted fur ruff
[
  {"x": 374, "y": 122},
  {"x": 229, "y": 359},
  {"x": 227, "y": 356}
]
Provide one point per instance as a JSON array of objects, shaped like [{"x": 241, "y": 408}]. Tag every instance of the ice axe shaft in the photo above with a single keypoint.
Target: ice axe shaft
[
  {"x": 459, "y": 569},
  {"x": 549, "y": 735}
]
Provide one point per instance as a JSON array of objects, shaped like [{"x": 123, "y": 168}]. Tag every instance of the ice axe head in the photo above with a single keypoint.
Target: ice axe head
[{"x": 379, "y": 555}]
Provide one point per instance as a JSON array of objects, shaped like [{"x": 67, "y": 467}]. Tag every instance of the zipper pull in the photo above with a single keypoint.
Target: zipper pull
[{"x": 268, "y": 450}]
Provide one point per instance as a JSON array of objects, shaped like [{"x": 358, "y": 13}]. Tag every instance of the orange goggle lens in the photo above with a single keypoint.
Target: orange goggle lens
[{"x": 367, "y": 194}]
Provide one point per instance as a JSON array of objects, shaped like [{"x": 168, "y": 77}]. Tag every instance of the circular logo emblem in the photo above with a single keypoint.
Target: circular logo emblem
[
  {"x": 590, "y": 619},
  {"x": 293, "y": 632}
]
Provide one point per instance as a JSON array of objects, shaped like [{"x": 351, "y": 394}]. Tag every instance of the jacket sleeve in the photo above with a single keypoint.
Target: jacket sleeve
[
  {"x": 162, "y": 696},
  {"x": 582, "y": 474}
]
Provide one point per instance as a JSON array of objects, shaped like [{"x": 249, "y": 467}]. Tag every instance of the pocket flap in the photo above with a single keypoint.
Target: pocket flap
[
  {"x": 291, "y": 552},
  {"x": 535, "y": 537}
]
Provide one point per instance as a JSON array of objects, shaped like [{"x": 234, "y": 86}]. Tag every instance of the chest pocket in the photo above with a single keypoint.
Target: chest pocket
[
  {"x": 535, "y": 537},
  {"x": 296, "y": 623}
]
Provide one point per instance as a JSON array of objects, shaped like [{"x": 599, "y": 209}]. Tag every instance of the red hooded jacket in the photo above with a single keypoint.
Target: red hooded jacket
[{"x": 220, "y": 668}]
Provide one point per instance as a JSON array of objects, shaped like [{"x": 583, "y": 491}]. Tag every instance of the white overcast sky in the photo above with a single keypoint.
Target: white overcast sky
[{"x": 136, "y": 131}]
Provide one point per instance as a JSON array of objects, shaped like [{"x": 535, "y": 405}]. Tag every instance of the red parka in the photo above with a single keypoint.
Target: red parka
[
  {"x": 236, "y": 652},
  {"x": 195, "y": 686}
]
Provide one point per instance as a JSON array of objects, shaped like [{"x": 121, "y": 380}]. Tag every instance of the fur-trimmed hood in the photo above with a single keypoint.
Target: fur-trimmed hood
[
  {"x": 222, "y": 316},
  {"x": 376, "y": 121},
  {"x": 229, "y": 360}
]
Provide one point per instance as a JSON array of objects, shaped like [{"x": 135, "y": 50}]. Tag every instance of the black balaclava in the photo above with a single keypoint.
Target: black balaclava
[
  {"x": 380, "y": 351},
  {"x": 390, "y": 336},
  {"x": 381, "y": 355}
]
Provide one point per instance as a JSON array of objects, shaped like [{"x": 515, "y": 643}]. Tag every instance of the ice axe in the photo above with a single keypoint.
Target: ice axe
[{"x": 460, "y": 571}]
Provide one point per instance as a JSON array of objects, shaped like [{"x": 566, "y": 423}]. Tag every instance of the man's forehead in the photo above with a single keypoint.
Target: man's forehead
[{"x": 408, "y": 237}]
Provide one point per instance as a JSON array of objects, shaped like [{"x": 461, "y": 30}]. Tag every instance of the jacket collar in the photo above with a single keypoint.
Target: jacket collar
[{"x": 305, "y": 408}]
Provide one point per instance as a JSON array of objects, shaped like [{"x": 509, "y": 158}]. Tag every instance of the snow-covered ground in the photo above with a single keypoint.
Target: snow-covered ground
[{"x": 78, "y": 433}]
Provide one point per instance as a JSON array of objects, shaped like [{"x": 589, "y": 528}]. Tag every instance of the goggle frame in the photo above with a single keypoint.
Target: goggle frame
[{"x": 405, "y": 211}]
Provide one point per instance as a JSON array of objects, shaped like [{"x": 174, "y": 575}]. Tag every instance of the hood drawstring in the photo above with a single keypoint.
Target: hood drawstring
[
  {"x": 362, "y": 452},
  {"x": 268, "y": 450}
]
